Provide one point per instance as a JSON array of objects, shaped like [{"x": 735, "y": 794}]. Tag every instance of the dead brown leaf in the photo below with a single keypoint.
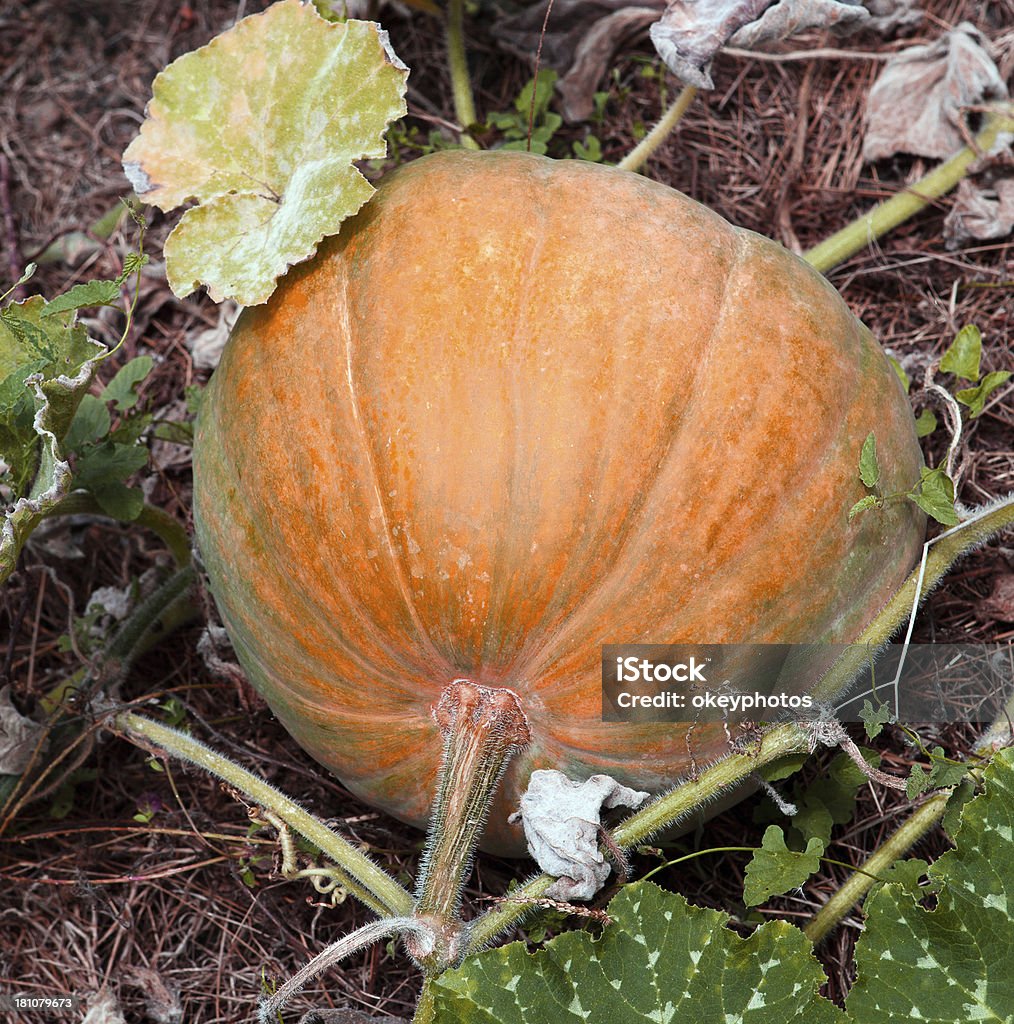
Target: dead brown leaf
[
  {"x": 980, "y": 212},
  {"x": 690, "y": 34},
  {"x": 1000, "y": 603},
  {"x": 919, "y": 102}
]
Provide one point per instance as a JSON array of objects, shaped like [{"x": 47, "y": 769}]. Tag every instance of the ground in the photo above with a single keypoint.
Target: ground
[{"x": 179, "y": 916}]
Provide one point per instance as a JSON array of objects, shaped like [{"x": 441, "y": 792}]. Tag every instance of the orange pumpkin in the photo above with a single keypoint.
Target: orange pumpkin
[{"x": 517, "y": 409}]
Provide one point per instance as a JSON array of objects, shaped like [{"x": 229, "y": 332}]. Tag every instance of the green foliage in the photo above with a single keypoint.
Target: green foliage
[
  {"x": 963, "y": 359},
  {"x": 659, "y": 960},
  {"x": 514, "y": 124},
  {"x": 51, "y": 426},
  {"x": 934, "y": 494},
  {"x": 925, "y": 423},
  {"x": 46, "y": 365},
  {"x": 952, "y": 963},
  {"x": 590, "y": 149},
  {"x": 963, "y": 356},
  {"x": 775, "y": 869},
  {"x": 268, "y": 156},
  {"x": 908, "y": 874},
  {"x": 975, "y": 398},
  {"x": 83, "y": 296},
  {"x": 899, "y": 370},
  {"x": 822, "y": 803},
  {"x": 943, "y": 774},
  {"x": 875, "y": 718}
]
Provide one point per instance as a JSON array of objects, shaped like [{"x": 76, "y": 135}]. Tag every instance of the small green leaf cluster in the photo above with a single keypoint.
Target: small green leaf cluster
[
  {"x": 55, "y": 434},
  {"x": 933, "y": 493},
  {"x": 542, "y": 123},
  {"x": 787, "y": 857},
  {"x": 963, "y": 361},
  {"x": 943, "y": 773},
  {"x": 875, "y": 718}
]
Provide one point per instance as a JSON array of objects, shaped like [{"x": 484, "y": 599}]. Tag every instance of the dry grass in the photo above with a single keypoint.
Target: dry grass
[{"x": 179, "y": 917}]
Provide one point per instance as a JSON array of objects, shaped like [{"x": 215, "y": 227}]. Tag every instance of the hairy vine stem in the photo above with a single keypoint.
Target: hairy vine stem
[
  {"x": 780, "y": 740},
  {"x": 640, "y": 154},
  {"x": 338, "y": 951},
  {"x": 888, "y": 215},
  {"x": 172, "y": 532},
  {"x": 457, "y": 61},
  {"x": 917, "y": 825},
  {"x": 360, "y": 875}
]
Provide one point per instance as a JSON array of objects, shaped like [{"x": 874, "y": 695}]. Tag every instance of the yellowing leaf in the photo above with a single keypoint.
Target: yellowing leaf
[{"x": 261, "y": 128}]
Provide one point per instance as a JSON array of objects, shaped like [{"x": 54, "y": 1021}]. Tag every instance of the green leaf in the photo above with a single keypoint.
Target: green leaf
[
  {"x": 174, "y": 431},
  {"x": 869, "y": 467},
  {"x": 870, "y": 501},
  {"x": 824, "y": 802},
  {"x": 91, "y": 423},
  {"x": 109, "y": 463},
  {"x": 963, "y": 792},
  {"x": 132, "y": 262},
  {"x": 84, "y": 296},
  {"x": 590, "y": 149},
  {"x": 261, "y": 127},
  {"x": 783, "y": 767},
  {"x": 659, "y": 960},
  {"x": 775, "y": 869},
  {"x": 918, "y": 781},
  {"x": 944, "y": 771},
  {"x": 543, "y": 85},
  {"x": 902, "y": 376},
  {"x": 952, "y": 963},
  {"x": 46, "y": 366},
  {"x": 907, "y": 874},
  {"x": 934, "y": 494},
  {"x": 975, "y": 398},
  {"x": 875, "y": 718},
  {"x": 962, "y": 358},
  {"x": 122, "y": 389},
  {"x": 119, "y": 501},
  {"x": 925, "y": 423}
]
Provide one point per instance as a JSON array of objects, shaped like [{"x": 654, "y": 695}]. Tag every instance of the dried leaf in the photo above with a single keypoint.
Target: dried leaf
[
  {"x": 261, "y": 127},
  {"x": 583, "y": 36},
  {"x": 888, "y": 16},
  {"x": 593, "y": 56},
  {"x": 917, "y": 104},
  {"x": 980, "y": 212},
  {"x": 561, "y": 819},
  {"x": 1000, "y": 603},
  {"x": 580, "y": 40},
  {"x": 19, "y": 736},
  {"x": 690, "y": 34},
  {"x": 206, "y": 346},
  {"x": 104, "y": 1009}
]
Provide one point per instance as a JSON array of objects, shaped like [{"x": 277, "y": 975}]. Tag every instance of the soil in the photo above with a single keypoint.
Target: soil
[{"x": 139, "y": 886}]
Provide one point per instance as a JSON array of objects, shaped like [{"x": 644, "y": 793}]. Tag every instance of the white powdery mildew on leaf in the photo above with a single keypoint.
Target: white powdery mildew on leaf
[
  {"x": 952, "y": 963},
  {"x": 261, "y": 128}
]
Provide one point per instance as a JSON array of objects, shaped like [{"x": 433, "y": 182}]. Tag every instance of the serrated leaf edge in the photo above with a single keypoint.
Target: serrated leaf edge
[{"x": 27, "y": 511}]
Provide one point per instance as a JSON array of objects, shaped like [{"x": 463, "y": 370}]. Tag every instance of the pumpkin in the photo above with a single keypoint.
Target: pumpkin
[{"x": 519, "y": 408}]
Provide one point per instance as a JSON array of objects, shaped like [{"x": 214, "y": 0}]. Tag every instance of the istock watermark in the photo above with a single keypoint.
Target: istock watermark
[{"x": 767, "y": 682}]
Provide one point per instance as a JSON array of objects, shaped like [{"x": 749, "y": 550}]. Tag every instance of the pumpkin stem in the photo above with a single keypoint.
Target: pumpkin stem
[{"x": 483, "y": 728}]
